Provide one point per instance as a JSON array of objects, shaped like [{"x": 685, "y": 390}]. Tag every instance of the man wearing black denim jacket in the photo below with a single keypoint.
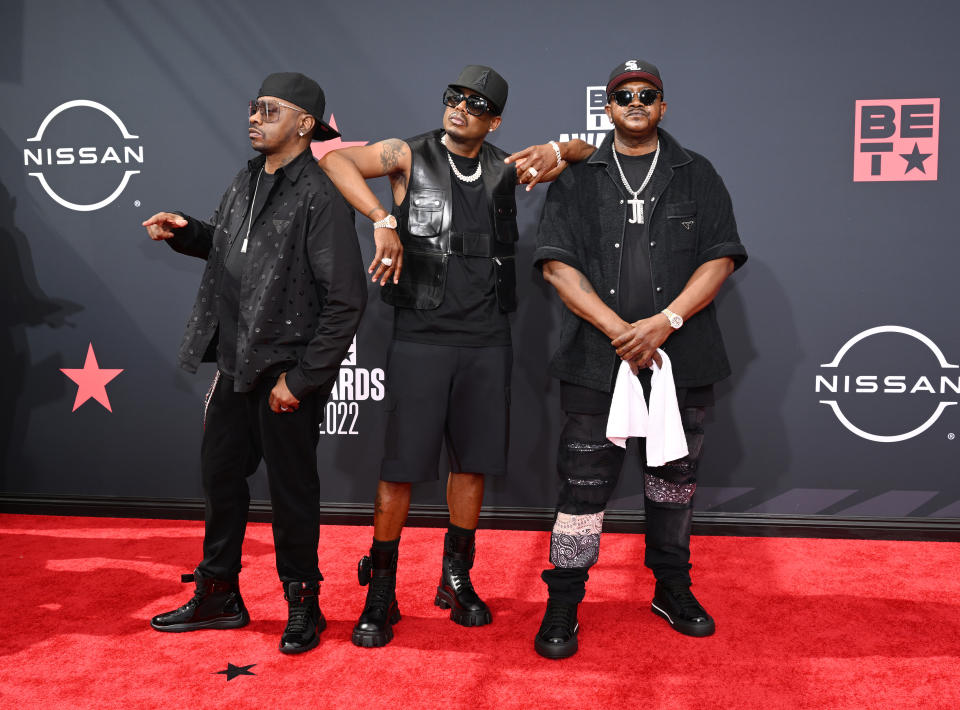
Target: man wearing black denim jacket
[
  {"x": 637, "y": 240},
  {"x": 278, "y": 306}
]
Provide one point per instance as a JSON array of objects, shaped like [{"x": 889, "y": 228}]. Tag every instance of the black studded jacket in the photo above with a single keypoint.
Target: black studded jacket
[{"x": 302, "y": 289}]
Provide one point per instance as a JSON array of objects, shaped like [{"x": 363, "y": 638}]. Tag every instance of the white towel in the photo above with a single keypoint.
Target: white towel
[{"x": 661, "y": 425}]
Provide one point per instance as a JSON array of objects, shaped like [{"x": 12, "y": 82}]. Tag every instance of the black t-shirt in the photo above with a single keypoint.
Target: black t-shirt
[
  {"x": 636, "y": 282},
  {"x": 469, "y": 314},
  {"x": 229, "y": 308}
]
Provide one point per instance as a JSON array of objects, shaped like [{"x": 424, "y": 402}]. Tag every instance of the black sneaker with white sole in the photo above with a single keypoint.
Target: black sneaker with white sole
[{"x": 674, "y": 601}]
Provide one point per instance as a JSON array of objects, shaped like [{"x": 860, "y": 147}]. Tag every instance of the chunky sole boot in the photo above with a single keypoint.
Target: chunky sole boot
[
  {"x": 367, "y": 635},
  {"x": 216, "y": 604},
  {"x": 374, "y": 628},
  {"x": 305, "y": 622},
  {"x": 557, "y": 637},
  {"x": 676, "y": 603},
  {"x": 455, "y": 591}
]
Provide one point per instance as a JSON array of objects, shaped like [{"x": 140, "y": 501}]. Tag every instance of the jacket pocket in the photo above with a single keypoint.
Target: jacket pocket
[
  {"x": 682, "y": 225},
  {"x": 505, "y": 218},
  {"x": 425, "y": 212}
]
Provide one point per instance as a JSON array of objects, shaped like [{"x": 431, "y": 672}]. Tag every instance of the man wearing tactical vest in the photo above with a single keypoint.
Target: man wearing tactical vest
[{"x": 448, "y": 368}]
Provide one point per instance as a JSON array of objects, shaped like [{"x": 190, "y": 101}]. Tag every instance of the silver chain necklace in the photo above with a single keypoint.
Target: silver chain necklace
[
  {"x": 453, "y": 167},
  {"x": 253, "y": 203},
  {"x": 635, "y": 202}
]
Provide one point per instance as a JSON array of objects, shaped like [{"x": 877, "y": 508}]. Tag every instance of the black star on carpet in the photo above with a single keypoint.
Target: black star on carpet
[
  {"x": 915, "y": 159},
  {"x": 233, "y": 671}
]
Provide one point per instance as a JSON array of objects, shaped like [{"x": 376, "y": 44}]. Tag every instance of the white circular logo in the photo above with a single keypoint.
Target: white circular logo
[
  {"x": 938, "y": 392},
  {"x": 48, "y": 156}
]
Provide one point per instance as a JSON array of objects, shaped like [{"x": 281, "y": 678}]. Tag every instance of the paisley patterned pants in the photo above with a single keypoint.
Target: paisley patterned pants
[{"x": 589, "y": 467}]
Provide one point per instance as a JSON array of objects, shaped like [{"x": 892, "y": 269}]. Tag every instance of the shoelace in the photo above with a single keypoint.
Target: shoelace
[
  {"x": 460, "y": 575},
  {"x": 194, "y": 600},
  {"x": 299, "y": 617},
  {"x": 380, "y": 592},
  {"x": 688, "y": 603},
  {"x": 558, "y": 616}
]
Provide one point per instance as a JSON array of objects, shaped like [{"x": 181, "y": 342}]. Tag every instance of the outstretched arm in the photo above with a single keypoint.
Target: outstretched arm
[
  {"x": 540, "y": 163},
  {"x": 349, "y": 168},
  {"x": 183, "y": 234}
]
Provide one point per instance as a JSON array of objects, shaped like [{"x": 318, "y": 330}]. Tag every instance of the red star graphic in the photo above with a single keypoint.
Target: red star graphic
[
  {"x": 321, "y": 148},
  {"x": 92, "y": 381}
]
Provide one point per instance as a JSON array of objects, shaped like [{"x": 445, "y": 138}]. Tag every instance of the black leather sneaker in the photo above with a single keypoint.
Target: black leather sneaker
[
  {"x": 304, "y": 619},
  {"x": 675, "y": 602},
  {"x": 557, "y": 637},
  {"x": 216, "y": 604}
]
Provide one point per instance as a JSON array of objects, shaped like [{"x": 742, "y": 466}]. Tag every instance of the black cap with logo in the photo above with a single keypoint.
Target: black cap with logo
[
  {"x": 301, "y": 91},
  {"x": 486, "y": 82},
  {"x": 634, "y": 69}
]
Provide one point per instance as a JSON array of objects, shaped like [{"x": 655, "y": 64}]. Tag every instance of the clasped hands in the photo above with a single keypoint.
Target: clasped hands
[{"x": 637, "y": 344}]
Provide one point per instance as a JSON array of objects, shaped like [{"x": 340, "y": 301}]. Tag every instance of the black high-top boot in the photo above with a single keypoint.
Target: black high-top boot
[
  {"x": 455, "y": 591},
  {"x": 380, "y": 611},
  {"x": 216, "y": 604},
  {"x": 304, "y": 619}
]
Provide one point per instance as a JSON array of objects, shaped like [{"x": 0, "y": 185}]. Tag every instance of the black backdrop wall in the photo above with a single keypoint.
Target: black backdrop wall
[{"x": 823, "y": 118}]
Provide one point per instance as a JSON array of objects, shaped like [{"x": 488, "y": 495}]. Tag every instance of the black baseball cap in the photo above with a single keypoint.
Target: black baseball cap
[
  {"x": 301, "y": 91},
  {"x": 634, "y": 69},
  {"x": 486, "y": 82}
]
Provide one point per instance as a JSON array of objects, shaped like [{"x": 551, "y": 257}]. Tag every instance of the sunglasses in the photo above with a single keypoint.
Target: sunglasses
[
  {"x": 624, "y": 97},
  {"x": 270, "y": 110},
  {"x": 476, "y": 105}
]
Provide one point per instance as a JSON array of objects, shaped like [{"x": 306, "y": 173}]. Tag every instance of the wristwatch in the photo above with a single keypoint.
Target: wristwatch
[
  {"x": 388, "y": 222},
  {"x": 675, "y": 320}
]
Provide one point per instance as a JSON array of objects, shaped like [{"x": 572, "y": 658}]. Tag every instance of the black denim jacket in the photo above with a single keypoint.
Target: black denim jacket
[
  {"x": 691, "y": 222},
  {"x": 302, "y": 290}
]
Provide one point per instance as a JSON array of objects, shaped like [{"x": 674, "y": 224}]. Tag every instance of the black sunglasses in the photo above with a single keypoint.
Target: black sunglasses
[
  {"x": 476, "y": 105},
  {"x": 624, "y": 97}
]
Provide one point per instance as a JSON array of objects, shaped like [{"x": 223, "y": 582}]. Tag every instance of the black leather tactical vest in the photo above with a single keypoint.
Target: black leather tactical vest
[{"x": 424, "y": 220}]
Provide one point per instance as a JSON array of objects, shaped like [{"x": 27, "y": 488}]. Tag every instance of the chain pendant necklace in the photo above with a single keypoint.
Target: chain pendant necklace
[
  {"x": 253, "y": 202},
  {"x": 453, "y": 166},
  {"x": 637, "y": 204}
]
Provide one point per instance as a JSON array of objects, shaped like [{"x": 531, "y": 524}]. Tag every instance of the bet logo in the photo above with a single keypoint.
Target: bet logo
[
  {"x": 596, "y": 114},
  {"x": 896, "y": 139}
]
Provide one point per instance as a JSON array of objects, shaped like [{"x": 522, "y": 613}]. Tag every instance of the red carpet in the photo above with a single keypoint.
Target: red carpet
[{"x": 800, "y": 624}]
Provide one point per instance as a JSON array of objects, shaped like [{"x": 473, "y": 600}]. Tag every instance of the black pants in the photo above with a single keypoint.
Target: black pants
[
  {"x": 589, "y": 467},
  {"x": 239, "y": 431}
]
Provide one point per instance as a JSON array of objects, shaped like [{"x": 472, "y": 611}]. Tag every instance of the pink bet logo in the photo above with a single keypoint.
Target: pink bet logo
[{"x": 896, "y": 139}]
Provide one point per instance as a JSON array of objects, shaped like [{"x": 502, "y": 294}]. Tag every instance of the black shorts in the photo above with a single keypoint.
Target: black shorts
[{"x": 438, "y": 393}]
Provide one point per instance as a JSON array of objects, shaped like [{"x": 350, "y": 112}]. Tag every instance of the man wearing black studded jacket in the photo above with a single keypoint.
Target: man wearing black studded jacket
[{"x": 278, "y": 306}]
